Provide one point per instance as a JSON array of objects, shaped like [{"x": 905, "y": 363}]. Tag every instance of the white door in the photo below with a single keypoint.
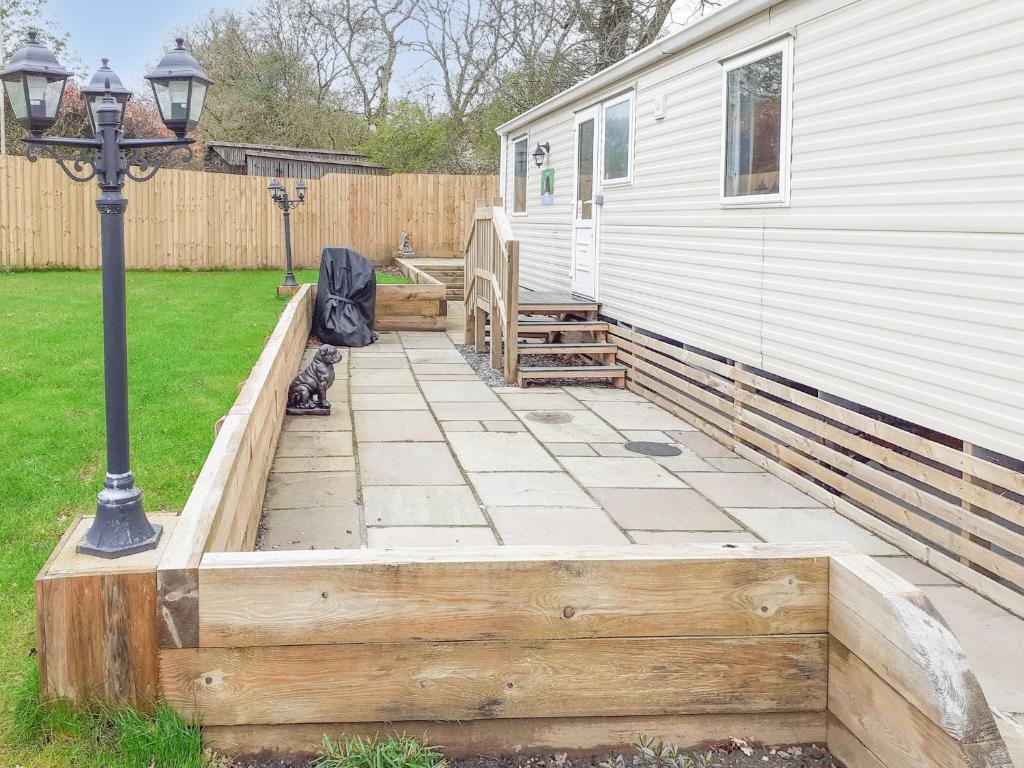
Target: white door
[{"x": 585, "y": 212}]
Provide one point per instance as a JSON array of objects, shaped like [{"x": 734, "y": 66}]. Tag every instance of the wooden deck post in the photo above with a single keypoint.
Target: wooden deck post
[{"x": 512, "y": 308}]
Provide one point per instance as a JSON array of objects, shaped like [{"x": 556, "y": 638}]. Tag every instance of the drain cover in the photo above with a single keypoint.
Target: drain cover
[
  {"x": 549, "y": 417},
  {"x": 653, "y": 449}
]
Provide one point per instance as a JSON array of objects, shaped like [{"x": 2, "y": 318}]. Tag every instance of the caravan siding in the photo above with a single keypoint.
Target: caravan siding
[{"x": 895, "y": 277}]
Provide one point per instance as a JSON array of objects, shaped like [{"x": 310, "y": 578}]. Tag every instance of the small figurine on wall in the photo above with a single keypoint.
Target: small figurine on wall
[
  {"x": 307, "y": 394},
  {"x": 405, "y": 245}
]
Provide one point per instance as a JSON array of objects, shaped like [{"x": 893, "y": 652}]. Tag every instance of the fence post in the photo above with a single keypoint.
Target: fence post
[{"x": 512, "y": 308}]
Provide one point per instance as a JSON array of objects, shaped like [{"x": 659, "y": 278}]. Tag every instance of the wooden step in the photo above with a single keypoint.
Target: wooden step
[
  {"x": 562, "y": 325},
  {"x": 584, "y": 348},
  {"x": 549, "y": 307},
  {"x": 536, "y": 373}
]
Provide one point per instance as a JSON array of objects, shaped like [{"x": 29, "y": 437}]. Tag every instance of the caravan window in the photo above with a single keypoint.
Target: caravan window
[
  {"x": 618, "y": 139},
  {"x": 756, "y": 142},
  {"x": 519, "y": 178}
]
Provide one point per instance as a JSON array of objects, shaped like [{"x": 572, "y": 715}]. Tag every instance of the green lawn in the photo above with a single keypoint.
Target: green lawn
[{"x": 192, "y": 338}]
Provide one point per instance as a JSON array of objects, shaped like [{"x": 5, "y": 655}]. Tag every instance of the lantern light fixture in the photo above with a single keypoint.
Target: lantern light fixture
[
  {"x": 179, "y": 86},
  {"x": 105, "y": 82},
  {"x": 34, "y": 81},
  {"x": 541, "y": 153}
]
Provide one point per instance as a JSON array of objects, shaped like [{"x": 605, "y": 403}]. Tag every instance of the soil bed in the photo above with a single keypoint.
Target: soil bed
[{"x": 733, "y": 754}]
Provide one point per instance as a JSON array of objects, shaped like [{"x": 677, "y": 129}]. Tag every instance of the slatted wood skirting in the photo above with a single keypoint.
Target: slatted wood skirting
[
  {"x": 197, "y": 220},
  {"x": 943, "y": 501}
]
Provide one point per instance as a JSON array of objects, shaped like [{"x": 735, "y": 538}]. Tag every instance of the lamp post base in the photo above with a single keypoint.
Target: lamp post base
[
  {"x": 290, "y": 281},
  {"x": 120, "y": 527}
]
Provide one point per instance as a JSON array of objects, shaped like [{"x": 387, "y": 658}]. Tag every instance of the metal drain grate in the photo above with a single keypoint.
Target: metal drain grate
[{"x": 653, "y": 449}]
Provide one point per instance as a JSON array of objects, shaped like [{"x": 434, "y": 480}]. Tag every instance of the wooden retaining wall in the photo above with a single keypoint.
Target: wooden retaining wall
[
  {"x": 200, "y": 220},
  {"x": 945, "y": 502},
  {"x": 419, "y": 307}
]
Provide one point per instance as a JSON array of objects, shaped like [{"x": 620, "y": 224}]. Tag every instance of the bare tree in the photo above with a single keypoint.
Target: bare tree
[{"x": 368, "y": 36}]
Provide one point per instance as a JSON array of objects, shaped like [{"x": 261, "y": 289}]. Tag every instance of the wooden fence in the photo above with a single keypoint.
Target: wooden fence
[{"x": 196, "y": 220}]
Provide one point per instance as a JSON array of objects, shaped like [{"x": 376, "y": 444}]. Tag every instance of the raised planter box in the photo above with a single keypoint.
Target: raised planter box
[{"x": 502, "y": 649}]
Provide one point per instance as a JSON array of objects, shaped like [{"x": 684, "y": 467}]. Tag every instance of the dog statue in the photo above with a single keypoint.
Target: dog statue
[{"x": 307, "y": 394}]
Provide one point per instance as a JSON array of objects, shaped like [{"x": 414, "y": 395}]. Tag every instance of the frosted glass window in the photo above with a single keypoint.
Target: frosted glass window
[
  {"x": 519, "y": 179},
  {"x": 585, "y": 171},
  {"x": 753, "y": 128},
  {"x": 617, "y": 120}
]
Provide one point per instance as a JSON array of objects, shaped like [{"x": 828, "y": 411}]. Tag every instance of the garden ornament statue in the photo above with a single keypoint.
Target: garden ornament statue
[
  {"x": 307, "y": 394},
  {"x": 405, "y": 245}
]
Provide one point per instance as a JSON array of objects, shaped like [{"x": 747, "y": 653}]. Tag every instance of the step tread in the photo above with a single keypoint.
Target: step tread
[
  {"x": 588, "y": 345},
  {"x": 589, "y": 368},
  {"x": 598, "y": 325}
]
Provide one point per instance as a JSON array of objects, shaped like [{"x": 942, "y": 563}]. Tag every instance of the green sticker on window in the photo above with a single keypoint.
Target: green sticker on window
[{"x": 547, "y": 186}]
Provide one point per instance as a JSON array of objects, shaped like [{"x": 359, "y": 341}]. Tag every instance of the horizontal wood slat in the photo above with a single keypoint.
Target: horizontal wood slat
[
  {"x": 198, "y": 220},
  {"x": 575, "y": 735},
  {"x": 292, "y": 604},
  {"x": 948, "y": 498},
  {"x": 496, "y": 679}
]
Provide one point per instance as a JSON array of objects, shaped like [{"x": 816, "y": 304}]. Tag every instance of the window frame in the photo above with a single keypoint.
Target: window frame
[
  {"x": 783, "y": 45},
  {"x": 525, "y": 137},
  {"x": 630, "y": 98}
]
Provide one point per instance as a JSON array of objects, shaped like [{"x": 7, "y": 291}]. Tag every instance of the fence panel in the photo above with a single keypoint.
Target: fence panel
[{"x": 197, "y": 220}]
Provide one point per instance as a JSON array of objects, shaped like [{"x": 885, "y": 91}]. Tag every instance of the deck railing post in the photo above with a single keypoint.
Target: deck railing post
[{"x": 512, "y": 310}]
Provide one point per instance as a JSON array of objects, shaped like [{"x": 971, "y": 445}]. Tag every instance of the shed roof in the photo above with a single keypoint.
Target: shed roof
[{"x": 728, "y": 15}]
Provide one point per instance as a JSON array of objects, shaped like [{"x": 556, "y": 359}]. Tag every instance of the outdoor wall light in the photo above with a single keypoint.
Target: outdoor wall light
[
  {"x": 34, "y": 82},
  {"x": 103, "y": 82},
  {"x": 280, "y": 197},
  {"x": 541, "y": 152}
]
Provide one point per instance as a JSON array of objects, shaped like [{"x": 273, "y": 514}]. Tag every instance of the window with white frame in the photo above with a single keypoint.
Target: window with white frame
[
  {"x": 618, "y": 139},
  {"x": 755, "y": 158},
  {"x": 519, "y": 153}
]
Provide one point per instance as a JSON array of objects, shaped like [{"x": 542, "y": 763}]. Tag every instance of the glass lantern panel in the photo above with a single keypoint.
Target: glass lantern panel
[
  {"x": 163, "y": 98},
  {"x": 16, "y": 93},
  {"x": 198, "y": 96},
  {"x": 179, "y": 99},
  {"x": 43, "y": 96}
]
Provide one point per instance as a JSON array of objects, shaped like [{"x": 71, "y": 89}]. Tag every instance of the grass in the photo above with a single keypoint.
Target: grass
[
  {"x": 390, "y": 752},
  {"x": 192, "y": 337}
]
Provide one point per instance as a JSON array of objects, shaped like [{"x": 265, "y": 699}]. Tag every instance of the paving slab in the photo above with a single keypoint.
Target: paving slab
[
  {"x": 299, "y": 444},
  {"x": 369, "y": 361},
  {"x": 669, "y": 538},
  {"x": 441, "y": 368},
  {"x": 605, "y": 472},
  {"x": 604, "y": 394},
  {"x": 501, "y": 452},
  {"x": 314, "y": 464},
  {"x": 993, "y": 640},
  {"x": 733, "y": 465},
  {"x": 476, "y": 411},
  {"x": 382, "y": 377},
  {"x": 810, "y": 524},
  {"x": 638, "y": 416},
  {"x": 552, "y": 400},
  {"x": 297, "y": 490},
  {"x": 702, "y": 445},
  {"x": 742, "y": 489},
  {"x": 377, "y": 402},
  {"x": 555, "y": 525},
  {"x": 458, "y": 392},
  {"x": 408, "y": 464},
  {"x": 504, "y": 426},
  {"x": 447, "y": 377},
  {"x": 411, "y": 536},
  {"x": 392, "y": 347},
  {"x": 684, "y": 463},
  {"x": 410, "y": 390},
  {"x": 421, "y": 505},
  {"x": 463, "y": 426},
  {"x": 571, "y": 449},
  {"x": 438, "y": 341},
  {"x": 914, "y": 571},
  {"x": 663, "y": 509},
  {"x": 339, "y": 419},
  {"x": 324, "y": 528},
  {"x": 532, "y": 489},
  {"x": 396, "y": 426},
  {"x": 449, "y": 356},
  {"x": 647, "y": 436},
  {"x": 570, "y": 426}
]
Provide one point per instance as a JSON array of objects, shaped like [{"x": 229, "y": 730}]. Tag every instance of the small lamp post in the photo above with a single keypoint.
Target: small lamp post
[
  {"x": 34, "y": 82},
  {"x": 280, "y": 197}
]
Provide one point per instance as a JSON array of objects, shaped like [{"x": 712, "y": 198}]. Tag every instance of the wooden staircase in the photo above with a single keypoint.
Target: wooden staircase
[{"x": 562, "y": 324}]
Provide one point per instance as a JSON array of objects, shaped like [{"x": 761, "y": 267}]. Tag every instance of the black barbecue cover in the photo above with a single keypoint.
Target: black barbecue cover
[{"x": 346, "y": 295}]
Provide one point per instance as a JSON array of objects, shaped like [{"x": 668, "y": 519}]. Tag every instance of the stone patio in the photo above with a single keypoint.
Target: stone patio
[{"x": 420, "y": 452}]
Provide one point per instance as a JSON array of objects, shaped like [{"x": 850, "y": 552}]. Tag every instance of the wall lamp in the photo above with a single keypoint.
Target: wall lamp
[{"x": 541, "y": 152}]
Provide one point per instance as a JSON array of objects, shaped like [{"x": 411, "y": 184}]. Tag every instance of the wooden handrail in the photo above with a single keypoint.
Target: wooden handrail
[{"x": 492, "y": 280}]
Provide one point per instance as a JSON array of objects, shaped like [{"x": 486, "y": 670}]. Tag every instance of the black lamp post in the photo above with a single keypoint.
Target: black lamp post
[
  {"x": 280, "y": 197},
  {"x": 35, "y": 85}
]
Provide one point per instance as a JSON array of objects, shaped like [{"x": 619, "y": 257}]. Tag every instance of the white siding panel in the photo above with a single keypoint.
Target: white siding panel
[{"x": 895, "y": 278}]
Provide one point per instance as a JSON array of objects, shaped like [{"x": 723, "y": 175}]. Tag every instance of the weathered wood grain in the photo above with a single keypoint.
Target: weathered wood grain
[
  {"x": 892, "y": 728},
  {"x": 575, "y": 735},
  {"x": 487, "y": 679},
  {"x": 304, "y": 603}
]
